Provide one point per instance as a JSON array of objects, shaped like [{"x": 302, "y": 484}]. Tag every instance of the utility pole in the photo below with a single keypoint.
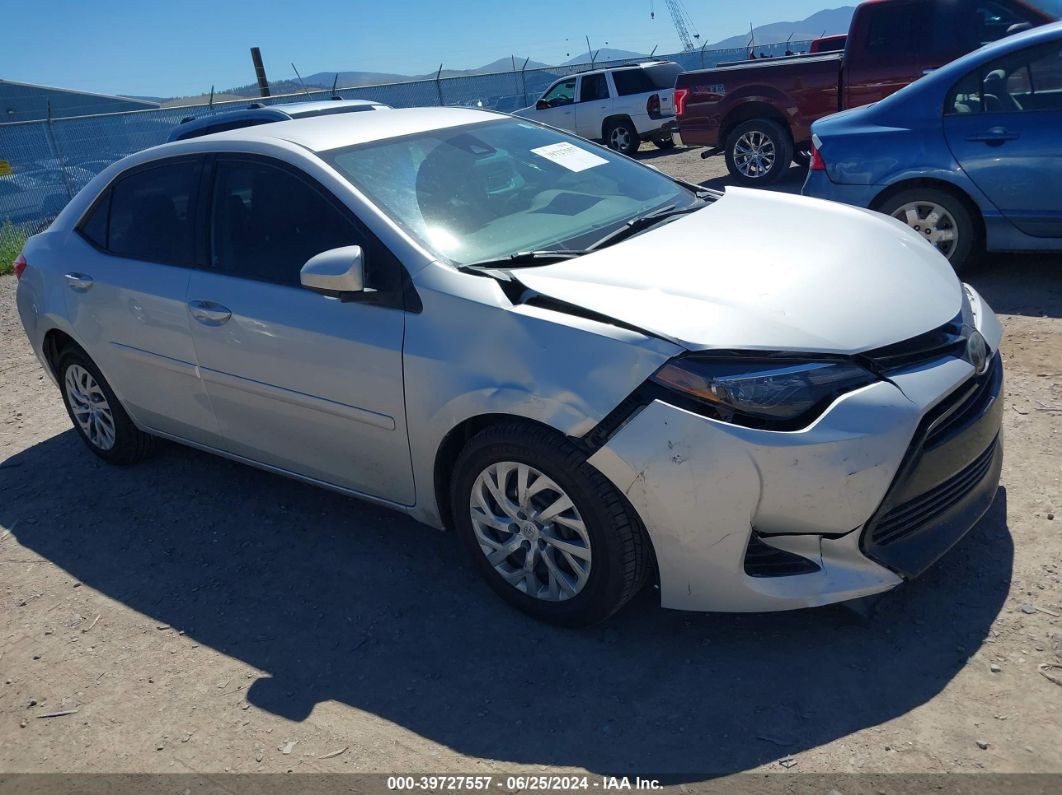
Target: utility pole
[{"x": 259, "y": 72}]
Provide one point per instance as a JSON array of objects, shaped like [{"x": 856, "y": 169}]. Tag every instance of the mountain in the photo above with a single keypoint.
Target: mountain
[
  {"x": 821, "y": 23},
  {"x": 603, "y": 55}
]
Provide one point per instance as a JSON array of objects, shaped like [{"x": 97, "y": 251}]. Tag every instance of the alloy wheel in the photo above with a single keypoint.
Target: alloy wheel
[
  {"x": 933, "y": 222},
  {"x": 530, "y": 531},
  {"x": 89, "y": 406},
  {"x": 754, "y": 154},
  {"x": 620, "y": 138}
]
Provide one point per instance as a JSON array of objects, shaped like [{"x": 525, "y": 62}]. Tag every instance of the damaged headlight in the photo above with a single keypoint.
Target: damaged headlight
[{"x": 758, "y": 393}]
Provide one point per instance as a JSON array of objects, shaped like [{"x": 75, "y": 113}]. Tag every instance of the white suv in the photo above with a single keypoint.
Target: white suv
[{"x": 622, "y": 106}]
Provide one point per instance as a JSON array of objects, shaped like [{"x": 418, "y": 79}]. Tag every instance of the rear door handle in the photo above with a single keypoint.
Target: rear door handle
[
  {"x": 79, "y": 282},
  {"x": 208, "y": 313},
  {"x": 996, "y": 135}
]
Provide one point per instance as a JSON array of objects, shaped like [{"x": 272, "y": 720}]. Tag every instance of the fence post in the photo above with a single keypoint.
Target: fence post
[
  {"x": 438, "y": 85},
  {"x": 702, "y": 54},
  {"x": 57, "y": 153},
  {"x": 523, "y": 78}
]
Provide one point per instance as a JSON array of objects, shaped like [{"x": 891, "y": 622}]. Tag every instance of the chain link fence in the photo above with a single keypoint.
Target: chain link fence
[{"x": 50, "y": 161}]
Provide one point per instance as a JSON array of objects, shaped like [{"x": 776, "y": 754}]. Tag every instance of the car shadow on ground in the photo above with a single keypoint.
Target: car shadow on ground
[
  {"x": 337, "y": 599},
  {"x": 790, "y": 182}
]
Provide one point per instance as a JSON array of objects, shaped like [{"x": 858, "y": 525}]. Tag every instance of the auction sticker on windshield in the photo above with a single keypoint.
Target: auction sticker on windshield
[{"x": 570, "y": 156}]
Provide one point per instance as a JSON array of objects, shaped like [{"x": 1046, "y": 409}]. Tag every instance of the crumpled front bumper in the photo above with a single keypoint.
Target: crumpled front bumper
[{"x": 705, "y": 490}]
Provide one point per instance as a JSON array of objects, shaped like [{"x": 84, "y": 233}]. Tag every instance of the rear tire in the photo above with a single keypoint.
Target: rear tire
[
  {"x": 622, "y": 136},
  {"x": 758, "y": 152},
  {"x": 942, "y": 219},
  {"x": 586, "y": 560},
  {"x": 98, "y": 417}
]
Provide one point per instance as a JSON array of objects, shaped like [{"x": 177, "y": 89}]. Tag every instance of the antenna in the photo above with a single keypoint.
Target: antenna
[{"x": 304, "y": 89}]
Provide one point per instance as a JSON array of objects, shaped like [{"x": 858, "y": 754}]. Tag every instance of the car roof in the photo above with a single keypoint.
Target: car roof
[
  {"x": 639, "y": 65},
  {"x": 321, "y": 133}
]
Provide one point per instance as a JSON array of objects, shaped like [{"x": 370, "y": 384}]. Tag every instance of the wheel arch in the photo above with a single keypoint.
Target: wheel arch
[
  {"x": 55, "y": 342},
  {"x": 452, "y": 445},
  {"x": 937, "y": 184},
  {"x": 749, "y": 110},
  {"x": 615, "y": 118}
]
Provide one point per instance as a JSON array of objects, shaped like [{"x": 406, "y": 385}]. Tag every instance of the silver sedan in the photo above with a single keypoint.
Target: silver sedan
[{"x": 597, "y": 376}]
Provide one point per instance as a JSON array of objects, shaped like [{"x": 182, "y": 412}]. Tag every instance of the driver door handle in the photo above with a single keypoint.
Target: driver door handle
[
  {"x": 208, "y": 313},
  {"x": 79, "y": 282}
]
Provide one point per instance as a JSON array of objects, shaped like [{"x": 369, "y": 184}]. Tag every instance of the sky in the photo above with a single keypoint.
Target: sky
[{"x": 166, "y": 48}]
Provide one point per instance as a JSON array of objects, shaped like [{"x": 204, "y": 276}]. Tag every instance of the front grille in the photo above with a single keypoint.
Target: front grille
[
  {"x": 762, "y": 560},
  {"x": 911, "y": 516},
  {"x": 964, "y": 405}
]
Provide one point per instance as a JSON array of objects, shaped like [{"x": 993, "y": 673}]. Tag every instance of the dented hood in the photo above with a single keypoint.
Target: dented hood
[{"x": 765, "y": 271}]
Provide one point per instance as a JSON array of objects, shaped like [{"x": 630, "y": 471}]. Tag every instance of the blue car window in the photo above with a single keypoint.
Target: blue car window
[{"x": 1027, "y": 80}]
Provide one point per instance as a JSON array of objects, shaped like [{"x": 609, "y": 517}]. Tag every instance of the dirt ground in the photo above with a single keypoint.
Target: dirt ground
[{"x": 192, "y": 614}]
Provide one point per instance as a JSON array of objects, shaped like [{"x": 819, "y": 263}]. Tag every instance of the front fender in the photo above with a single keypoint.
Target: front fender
[{"x": 471, "y": 353}]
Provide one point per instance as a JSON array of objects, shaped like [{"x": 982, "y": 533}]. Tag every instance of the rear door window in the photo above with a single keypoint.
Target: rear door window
[
  {"x": 896, "y": 29},
  {"x": 152, "y": 216},
  {"x": 594, "y": 87}
]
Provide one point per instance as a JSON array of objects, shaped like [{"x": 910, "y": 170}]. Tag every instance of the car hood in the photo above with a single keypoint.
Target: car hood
[{"x": 765, "y": 271}]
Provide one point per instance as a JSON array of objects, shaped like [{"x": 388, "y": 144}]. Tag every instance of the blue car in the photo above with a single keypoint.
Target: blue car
[
  {"x": 970, "y": 156},
  {"x": 256, "y": 113}
]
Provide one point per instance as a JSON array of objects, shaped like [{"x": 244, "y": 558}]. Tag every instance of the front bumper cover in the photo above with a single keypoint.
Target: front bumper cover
[{"x": 704, "y": 489}]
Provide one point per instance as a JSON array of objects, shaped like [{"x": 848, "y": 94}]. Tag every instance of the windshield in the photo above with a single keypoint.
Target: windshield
[{"x": 485, "y": 191}]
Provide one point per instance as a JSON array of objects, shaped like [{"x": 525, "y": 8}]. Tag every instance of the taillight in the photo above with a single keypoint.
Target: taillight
[
  {"x": 652, "y": 106},
  {"x": 20, "y": 266},
  {"x": 680, "y": 100},
  {"x": 817, "y": 163}
]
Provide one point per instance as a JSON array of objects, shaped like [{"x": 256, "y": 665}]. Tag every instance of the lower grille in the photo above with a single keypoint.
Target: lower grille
[
  {"x": 911, "y": 516},
  {"x": 762, "y": 560}
]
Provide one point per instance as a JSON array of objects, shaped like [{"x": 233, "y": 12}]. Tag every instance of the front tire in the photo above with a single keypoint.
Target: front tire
[
  {"x": 549, "y": 533},
  {"x": 98, "y": 417},
  {"x": 940, "y": 218},
  {"x": 758, "y": 152},
  {"x": 664, "y": 141},
  {"x": 622, "y": 136}
]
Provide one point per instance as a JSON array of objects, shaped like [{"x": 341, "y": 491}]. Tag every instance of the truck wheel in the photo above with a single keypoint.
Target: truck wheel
[
  {"x": 622, "y": 136},
  {"x": 802, "y": 157},
  {"x": 664, "y": 141},
  {"x": 940, "y": 218},
  {"x": 758, "y": 152}
]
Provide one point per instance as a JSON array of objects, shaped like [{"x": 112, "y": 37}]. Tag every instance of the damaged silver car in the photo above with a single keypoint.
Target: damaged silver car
[{"x": 599, "y": 377}]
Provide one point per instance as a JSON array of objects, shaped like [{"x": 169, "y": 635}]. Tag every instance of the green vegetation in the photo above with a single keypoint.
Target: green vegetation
[{"x": 11, "y": 241}]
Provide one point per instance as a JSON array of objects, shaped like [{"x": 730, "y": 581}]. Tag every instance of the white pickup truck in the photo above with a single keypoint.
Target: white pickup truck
[{"x": 622, "y": 105}]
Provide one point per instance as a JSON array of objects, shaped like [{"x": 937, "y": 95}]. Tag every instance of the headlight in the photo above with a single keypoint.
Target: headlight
[{"x": 762, "y": 393}]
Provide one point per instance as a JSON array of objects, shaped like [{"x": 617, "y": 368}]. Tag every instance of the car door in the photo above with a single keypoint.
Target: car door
[
  {"x": 299, "y": 381},
  {"x": 594, "y": 106},
  {"x": 1002, "y": 124},
  {"x": 557, "y": 106},
  {"x": 127, "y": 277}
]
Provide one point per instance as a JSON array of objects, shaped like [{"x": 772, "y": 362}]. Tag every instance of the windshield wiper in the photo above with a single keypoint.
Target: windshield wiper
[
  {"x": 641, "y": 223},
  {"x": 523, "y": 258}
]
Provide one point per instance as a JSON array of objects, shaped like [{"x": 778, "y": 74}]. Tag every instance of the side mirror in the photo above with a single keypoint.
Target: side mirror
[
  {"x": 542, "y": 105},
  {"x": 337, "y": 272}
]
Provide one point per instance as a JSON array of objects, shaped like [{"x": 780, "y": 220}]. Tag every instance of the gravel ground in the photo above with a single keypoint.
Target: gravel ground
[{"x": 191, "y": 614}]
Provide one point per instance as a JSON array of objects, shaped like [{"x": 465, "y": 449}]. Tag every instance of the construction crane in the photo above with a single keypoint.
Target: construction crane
[{"x": 683, "y": 24}]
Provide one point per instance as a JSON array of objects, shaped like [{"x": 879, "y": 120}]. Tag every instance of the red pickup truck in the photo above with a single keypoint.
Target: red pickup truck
[{"x": 759, "y": 113}]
